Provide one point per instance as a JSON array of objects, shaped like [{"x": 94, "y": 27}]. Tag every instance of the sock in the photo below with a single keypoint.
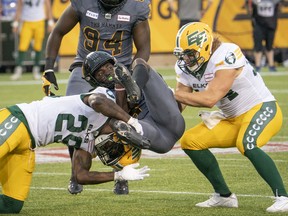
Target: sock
[
  {"x": 140, "y": 75},
  {"x": 267, "y": 170},
  {"x": 206, "y": 162},
  {"x": 20, "y": 58},
  {"x": 71, "y": 151},
  {"x": 37, "y": 58},
  {"x": 10, "y": 205}
]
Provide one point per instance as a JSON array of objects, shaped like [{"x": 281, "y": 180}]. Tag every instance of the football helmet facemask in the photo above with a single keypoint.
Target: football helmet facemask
[
  {"x": 92, "y": 63},
  {"x": 114, "y": 152},
  {"x": 193, "y": 46}
]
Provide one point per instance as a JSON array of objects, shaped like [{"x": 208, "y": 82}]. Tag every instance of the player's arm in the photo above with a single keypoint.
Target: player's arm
[
  {"x": 65, "y": 24},
  {"x": 182, "y": 88},
  {"x": 100, "y": 103},
  {"x": 81, "y": 164},
  {"x": 214, "y": 91},
  {"x": 142, "y": 40},
  {"x": 17, "y": 18},
  {"x": 49, "y": 15}
]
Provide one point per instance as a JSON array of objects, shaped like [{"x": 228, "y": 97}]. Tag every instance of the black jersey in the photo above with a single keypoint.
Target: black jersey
[{"x": 109, "y": 31}]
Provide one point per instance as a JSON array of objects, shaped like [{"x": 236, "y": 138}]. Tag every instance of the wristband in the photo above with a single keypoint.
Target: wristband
[
  {"x": 49, "y": 70},
  {"x": 119, "y": 89}
]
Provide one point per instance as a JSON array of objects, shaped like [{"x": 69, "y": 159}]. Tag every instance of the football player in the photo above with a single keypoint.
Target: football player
[
  {"x": 147, "y": 92},
  {"x": 30, "y": 20},
  {"x": 212, "y": 73},
  {"x": 72, "y": 120},
  {"x": 107, "y": 25}
]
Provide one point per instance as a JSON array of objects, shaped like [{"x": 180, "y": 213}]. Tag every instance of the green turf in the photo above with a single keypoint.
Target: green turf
[{"x": 173, "y": 188}]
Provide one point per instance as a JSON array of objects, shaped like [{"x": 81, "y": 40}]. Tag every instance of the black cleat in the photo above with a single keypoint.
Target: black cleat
[
  {"x": 133, "y": 91},
  {"x": 74, "y": 187},
  {"x": 121, "y": 187},
  {"x": 128, "y": 134}
]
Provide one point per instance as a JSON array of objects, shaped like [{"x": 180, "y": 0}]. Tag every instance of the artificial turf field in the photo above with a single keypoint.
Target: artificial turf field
[{"x": 174, "y": 185}]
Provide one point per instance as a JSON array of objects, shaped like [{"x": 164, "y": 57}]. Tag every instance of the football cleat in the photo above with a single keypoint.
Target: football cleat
[
  {"x": 121, "y": 187},
  {"x": 74, "y": 187},
  {"x": 132, "y": 89},
  {"x": 36, "y": 72},
  {"x": 128, "y": 134},
  {"x": 17, "y": 73},
  {"x": 280, "y": 205},
  {"x": 217, "y": 201}
]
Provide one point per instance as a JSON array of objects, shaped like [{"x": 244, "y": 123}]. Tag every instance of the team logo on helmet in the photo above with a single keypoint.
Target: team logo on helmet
[{"x": 197, "y": 38}]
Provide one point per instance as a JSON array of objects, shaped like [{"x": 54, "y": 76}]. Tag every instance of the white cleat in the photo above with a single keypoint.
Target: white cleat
[
  {"x": 280, "y": 205},
  {"x": 217, "y": 201},
  {"x": 17, "y": 73},
  {"x": 36, "y": 72}
]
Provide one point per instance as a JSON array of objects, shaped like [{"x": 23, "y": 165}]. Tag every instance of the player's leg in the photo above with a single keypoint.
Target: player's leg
[
  {"x": 258, "y": 37},
  {"x": 163, "y": 109},
  {"x": 270, "y": 35},
  {"x": 17, "y": 161},
  {"x": 24, "y": 42},
  {"x": 39, "y": 35},
  {"x": 259, "y": 125},
  {"x": 196, "y": 143}
]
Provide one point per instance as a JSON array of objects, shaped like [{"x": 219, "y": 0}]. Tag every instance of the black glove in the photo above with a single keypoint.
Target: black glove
[{"x": 49, "y": 78}]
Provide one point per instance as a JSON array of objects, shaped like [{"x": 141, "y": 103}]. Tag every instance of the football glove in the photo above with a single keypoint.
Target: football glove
[
  {"x": 49, "y": 78},
  {"x": 137, "y": 126},
  {"x": 130, "y": 173}
]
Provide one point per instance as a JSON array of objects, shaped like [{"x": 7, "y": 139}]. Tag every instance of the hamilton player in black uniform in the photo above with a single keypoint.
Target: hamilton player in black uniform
[
  {"x": 160, "y": 117},
  {"x": 107, "y": 25}
]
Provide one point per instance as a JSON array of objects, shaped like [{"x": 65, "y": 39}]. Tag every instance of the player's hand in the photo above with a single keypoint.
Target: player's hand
[
  {"x": 49, "y": 78},
  {"x": 130, "y": 173}
]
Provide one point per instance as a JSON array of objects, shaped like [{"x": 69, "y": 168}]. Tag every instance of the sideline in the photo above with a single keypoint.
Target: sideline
[{"x": 65, "y": 81}]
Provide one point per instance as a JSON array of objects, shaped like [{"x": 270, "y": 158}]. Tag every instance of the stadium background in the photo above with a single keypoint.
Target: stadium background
[{"x": 228, "y": 19}]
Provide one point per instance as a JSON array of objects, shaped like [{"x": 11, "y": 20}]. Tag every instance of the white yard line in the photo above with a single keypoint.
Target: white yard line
[{"x": 149, "y": 191}]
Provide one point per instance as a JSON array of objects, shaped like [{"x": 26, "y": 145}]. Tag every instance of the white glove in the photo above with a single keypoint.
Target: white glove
[
  {"x": 130, "y": 173},
  {"x": 134, "y": 123}
]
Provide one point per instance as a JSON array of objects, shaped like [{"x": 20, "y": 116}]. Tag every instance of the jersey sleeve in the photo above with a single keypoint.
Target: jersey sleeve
[
  {"x": 143, "y": 10},
  {"x": 231, "y": 57},
  {"x": 77, "y": 6},
  {"x": 181, "y": 77},
  {"x": 102, "y": 90}
]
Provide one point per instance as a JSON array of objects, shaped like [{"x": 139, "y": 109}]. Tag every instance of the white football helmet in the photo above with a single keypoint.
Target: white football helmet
[
  {"x": 193, "y": 46},
  {"x": 114, "y": 152}
]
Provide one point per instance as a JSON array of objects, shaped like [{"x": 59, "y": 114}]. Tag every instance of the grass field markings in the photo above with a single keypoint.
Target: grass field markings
[
  {"x": 279, "y": 91},
  {"x": 29, "y": 82},
  {"x": 52, "y": 173},
  {"x": 151, "y": 191}
]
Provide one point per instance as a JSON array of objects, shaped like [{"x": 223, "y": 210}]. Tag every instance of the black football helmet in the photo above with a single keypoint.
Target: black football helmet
[
  {"x": 114, "y": 152},
  {"x": 92, "y": 63},
  {"x": 111, "y": 3}
]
